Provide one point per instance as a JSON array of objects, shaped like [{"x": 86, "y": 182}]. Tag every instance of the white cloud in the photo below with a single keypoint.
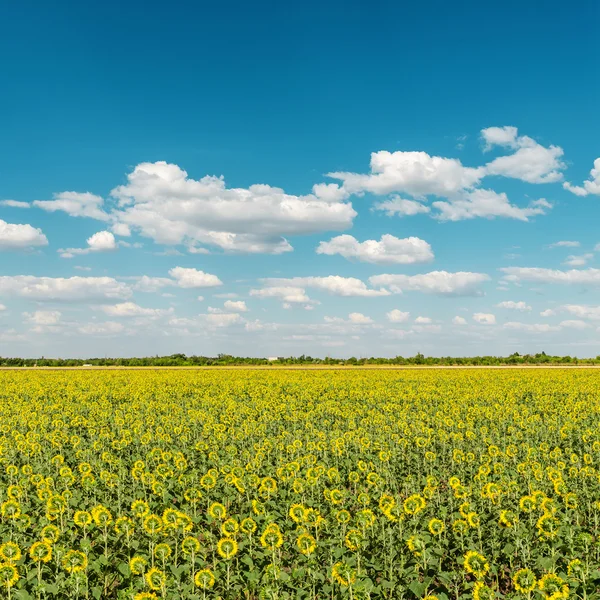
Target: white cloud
[
  {"x": 20, "y": 237},
  {"x": 565, "y": 244},
  {"x": 547, "y": 313},
  {"x": 436, "y": 282},
  {"x": 43, "y": 317},
  {"x": 2, "y": 307},
  {"x": 531, "y": 162},
  {"x": 121, "y": 229},
  {"x": 512, "y": 305},
  {"x": 102, "y": 241},
  {"x": 107, "y": 328},
  {"x": 288, "y": 294},
  {"x": 416, "y": 173},
  {"x": 233, "y": 306},
  {"x": 71, "y": 289},
  {"x": 573, "y": 324},
  {"x": 530, "y": 327},
  {"x": 333, "y": 284},
  {"x": 401, "y": 207},
  {"x": 389, "y": 250},
  {"x": 130, "y": 309},
  {"x": 459, "y": 320},
  {"x": 499, "y": 136},
  {"x": 484, "y": 318},
  {"x": 589, "y": 277},
  {"x": 423, "y": 320},
  {"x": 75, "y": 204},
  {"x": 15, "y": 204},
  {"x": 206, "y": 321},
  {"x": 579, "y": 260},
  {"x": 192, "y": 278},
  {"x": 591, "y": 186},
  {"x": 359, "y": 318},
  {"x": 583, "y": 312},
  {"x": 144, "y": 283},
  {"x": 487, "y": 204},
  {"x": 200, "y": 298},
  {"x": 163, "y": 203},
  {"x": 397, "y": 316},
  {"x": 223, "y": 320}
]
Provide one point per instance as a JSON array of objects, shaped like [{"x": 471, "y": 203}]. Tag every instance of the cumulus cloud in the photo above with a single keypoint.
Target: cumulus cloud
[
  {"x": 530, "y": 327},
  {"x": 192, "y": 278},
  {"x": 359, "y": 318},
  {"x": 590, "y": 186},
  {"x": 161, "y": 202},
  {"x": 20, "y": 236},
  {"x": 578, "y": 260},
  {"x": 585, "y": 277},
  {"x": 70, "y": 289},
  {"x": 401, "y": 207},
  {"x": 423, "y": 320},
  {"x": 15, "y": 204},
  {"x": 130, "y": 309},
  {"x": 547, "y": 313},
  {"x": 531, "y": 162},
  {"x": 397, "y": 316},
  {"x": 484, "y": 318},
  {"x": 43, "y": 317},
  {"x": 459, "y": 320},
  {"x": 512, "y": 305},
  {"x": 75, "y": 204},
  {"x": 388, "y": 250},
  {"x": 102, "y": 241},
  {"x": 333, "y": 284},
  {"x": 121, "y": 229},
  {"x": 415, "y": 173},
  {"x": 487, "y": 204},
  {"x": 288, "y": 294},
  {"x": 583, "y": 312},
  {"x": 235, "y": 306},
  {"x": 462, "y": 283}
]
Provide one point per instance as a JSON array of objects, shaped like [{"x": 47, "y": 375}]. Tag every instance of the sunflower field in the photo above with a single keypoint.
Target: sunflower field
[{"x": 300, "y": 484}]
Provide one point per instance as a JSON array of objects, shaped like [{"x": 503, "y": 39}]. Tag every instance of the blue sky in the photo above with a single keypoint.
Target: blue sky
[{"x": 330, "y": 178}]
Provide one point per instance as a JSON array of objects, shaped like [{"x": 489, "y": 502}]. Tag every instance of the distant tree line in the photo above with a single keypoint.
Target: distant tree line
[{"x": 181, "y": 360}]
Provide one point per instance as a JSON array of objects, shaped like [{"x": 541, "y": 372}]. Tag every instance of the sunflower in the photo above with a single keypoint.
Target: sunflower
[
  {"x": 436, "y": 526},
  {"x": 483, "y": 592},
  {"x": 152, "y": 524},
  {"x": 137, "y": 565},
  {"x": 343, "y": 574},
  {"x": 140, "y": 508},
  {"x": 575, "y": 568},
  {"x": 553, "y": 587},
  {"x": 227, "y": 548},
  {"x": 230, "y": 527},
  {"x": 101, "y": 516},
  {"x": 217, "y": 511},
  {"x": 50, "y": 533},
  {"x": 353, "y": 539},
  {"x": 271, "y": 537},
  {"x": 41, "y": 552},
  {"x": 248, "y": 525},
  {"x": 414, "y": 504},
  {"x": 204, "y": 579},
  {"x": 297, "y": 513},
  {"x": 124, "y": 526},
  {"x": 306, "y": 544},
  {"x": 476, "y": 564},
  {"x": 162, "y": 551},
  {"x": 8, "y": 575},
  {"x": 74, "y": 561},
  {"x": 190, "y": 545},
  {"x": 156, "y": 579},
  {"x": 145, "y": 596},
  {"x": 82, "y": 518},
  {"x": 547, "y": 526},
  {"x": 10, "y": 552},
  {"x": 524, "y": 581}
]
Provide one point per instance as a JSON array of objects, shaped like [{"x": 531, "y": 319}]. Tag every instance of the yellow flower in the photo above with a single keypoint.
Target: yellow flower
[
  {"x": 156, "y": 579},
  {"x": 524, "y": 581},
  {"x": 162, "y": 551},
  {"x": 10, "y": 552},
  {"x": 8, "y": 575},
  {"x": 414, "y": 504},
  {"x": 230, "y": 527},
  {"x": 343, "y": 574},
  {"x": 553, "y": 587},
  {"x": 271, "y": 537},
  {"x": 82, "y": 518},
  {"x": 190, "y": 545},
  {"x": 248, "y": 525},
  {"x": 152, "y": 524},
  {"x": 137, "y": 565},
  {"x": 41, "y": 552},
  {"x": 204, "y": 579},
  {"x": 476, "y": 564},
  {"x": 227, "y": 548},
  {"x": 436, "y": 526},
  {"x": 74, "y": 561},
  {"x": 217, "y": 511},
  {"x": 297, "y": 513},
  {"x": 306, "y": 544},
  {"x": 145, "y": 596},
  {"x": 483, "y": 592}
]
